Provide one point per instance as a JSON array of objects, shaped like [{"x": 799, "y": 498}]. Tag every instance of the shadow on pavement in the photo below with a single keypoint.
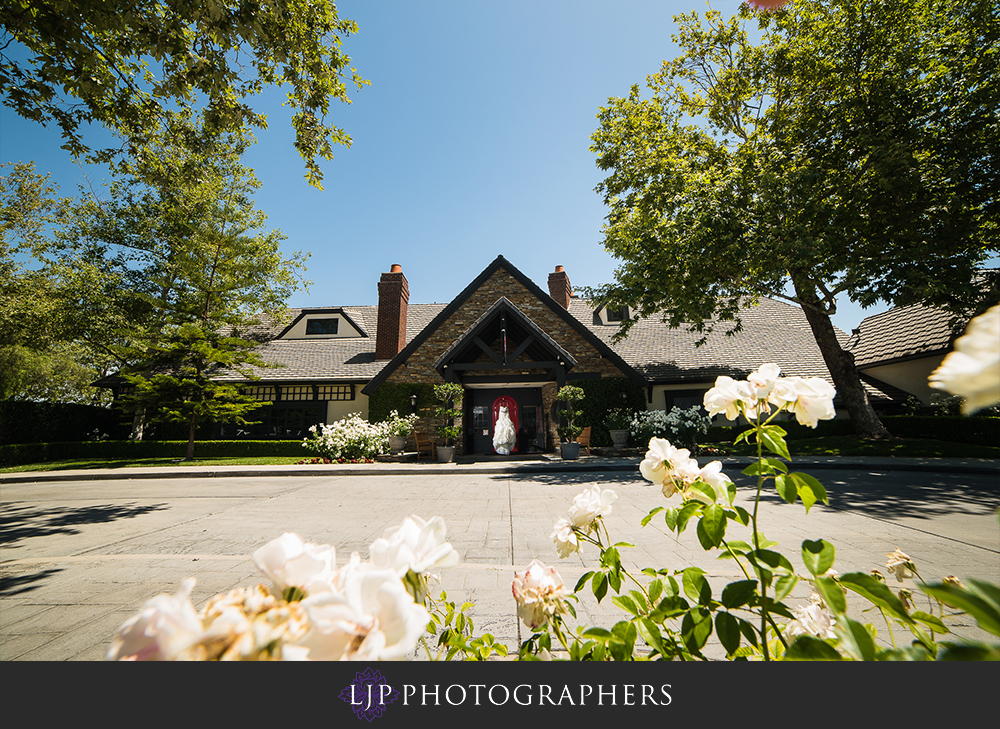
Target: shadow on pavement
[
  {"x": 16, "y": 584},
  {"x": 19, "y": 522}
]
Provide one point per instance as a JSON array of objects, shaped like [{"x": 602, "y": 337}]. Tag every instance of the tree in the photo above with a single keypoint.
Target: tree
[
  {"x": 852, "y": 152},
  {"x": 180, "y": 228},
  {"x": 130, "y": 65}
]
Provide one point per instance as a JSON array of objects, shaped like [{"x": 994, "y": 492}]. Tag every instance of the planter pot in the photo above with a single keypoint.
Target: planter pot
[
  {"x": 569, "y": 451},
  {"x": 397, "y": 443},
  {"x": 619, "y": 438},
  {"x": 446, "y": 454}
]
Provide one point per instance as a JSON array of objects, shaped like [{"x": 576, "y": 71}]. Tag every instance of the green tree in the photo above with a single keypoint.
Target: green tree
[
  {"x": 182, "y": 231},
  {"x": 130, "y": 65},
  {"x": 852, "y": 151}
]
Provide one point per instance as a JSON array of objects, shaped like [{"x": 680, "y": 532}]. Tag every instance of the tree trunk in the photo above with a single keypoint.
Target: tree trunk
[
  {"x": 138, "y": 425},
  {"x": 841, "y": 366},
  {"x": 190, "y": 448}
]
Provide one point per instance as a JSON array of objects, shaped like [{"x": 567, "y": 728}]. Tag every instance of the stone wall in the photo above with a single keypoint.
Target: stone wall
[{"x": 419, "y": 367}]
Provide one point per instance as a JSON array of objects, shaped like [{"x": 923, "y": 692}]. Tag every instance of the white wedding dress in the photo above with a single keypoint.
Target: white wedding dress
[{"x": 504, "y": 435}]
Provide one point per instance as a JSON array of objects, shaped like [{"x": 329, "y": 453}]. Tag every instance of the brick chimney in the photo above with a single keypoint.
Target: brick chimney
[
  {"x": 393, "y": 297},
  {"x": 559, "y": 288}
]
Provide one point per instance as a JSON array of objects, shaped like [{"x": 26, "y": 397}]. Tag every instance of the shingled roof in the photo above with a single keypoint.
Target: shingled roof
[
  {"x": 903, "y": 333},
  {"x": 773, "y": 331}
]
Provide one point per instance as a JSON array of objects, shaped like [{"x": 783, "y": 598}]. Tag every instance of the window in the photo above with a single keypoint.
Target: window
[
  {"x": 335, "y": 392},
  {"x": 322, "y": 326},
  {"x": 615, "y": 314},
  {"x": 261, "y": 394},
  {"x": 684, "y": 399},
  {"x": 296, "y": 392}
]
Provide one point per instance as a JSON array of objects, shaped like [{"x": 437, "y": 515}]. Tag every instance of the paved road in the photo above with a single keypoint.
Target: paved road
[{"x": 77, "y": 558}]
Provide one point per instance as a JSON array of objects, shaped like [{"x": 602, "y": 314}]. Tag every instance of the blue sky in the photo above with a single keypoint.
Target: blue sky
[{"x": 472, "y": 141}]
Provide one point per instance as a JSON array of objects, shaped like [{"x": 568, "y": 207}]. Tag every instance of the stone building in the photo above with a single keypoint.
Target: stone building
[{"x": 507, "y": 341}]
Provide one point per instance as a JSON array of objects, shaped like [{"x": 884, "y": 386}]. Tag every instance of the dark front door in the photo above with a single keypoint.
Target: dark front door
[{"x": 529, "y": 423}]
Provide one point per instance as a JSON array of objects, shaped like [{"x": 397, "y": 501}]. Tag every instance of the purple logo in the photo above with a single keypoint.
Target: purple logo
[{"x": 369, "y": 694}]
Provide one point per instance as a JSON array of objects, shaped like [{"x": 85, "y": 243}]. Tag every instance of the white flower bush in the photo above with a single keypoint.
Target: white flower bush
[
  {"x": 679, "y": 425},
  {"x": 349, "y": 439}
]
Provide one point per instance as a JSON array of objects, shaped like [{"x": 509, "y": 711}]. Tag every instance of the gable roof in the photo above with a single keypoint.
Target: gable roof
[
  {"x": 502, "y": 263},
  {"x": 907, "y": 332}
]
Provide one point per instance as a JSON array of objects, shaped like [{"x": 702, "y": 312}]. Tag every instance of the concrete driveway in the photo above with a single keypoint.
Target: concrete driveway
[{"x": 79, "y": 557}]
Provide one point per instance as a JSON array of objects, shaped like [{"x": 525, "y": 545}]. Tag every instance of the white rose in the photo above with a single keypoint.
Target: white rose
[
  {"x": 539, "y": 592},
  {"x": 290, "y": 562},
  {"x": 165, "y": 627},
  {"x": 811, "y": 620},
  {"x": 589, "y": 506},
  {"x": 814, "y": 402},
  {"x": 726, "y": 397},
  {"x": 972, "y": 370},
  {"x": 415, "y": 545},
  {"x": 763, "y": 380},
  {"x": 564, "y": 538},
  {"x": 372, "y": 618}
]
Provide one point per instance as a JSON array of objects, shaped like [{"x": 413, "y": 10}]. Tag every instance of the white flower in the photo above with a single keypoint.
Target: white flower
[
  {"x": 814, "y": 401},
  {"x": 669, "y": 467},
  {"x": 763, "y": 380},
  {"x": 813, "y": 620},
  {"x": 712, "y": 475},
  {"x": 415, "y": 545},
  {"x": 900, "y": 564},
  {"x": 590, "y": 506},
  {"x": 165, "y": 627},
  {"x": 564, "y": 538},
  {"x": 372, "y": 618},
  {"x": 539, "y": 592},
  {"x": 290, "y": 562},
  {"x": 972, "y": 370},
  {"x": 726, "y": 397}
]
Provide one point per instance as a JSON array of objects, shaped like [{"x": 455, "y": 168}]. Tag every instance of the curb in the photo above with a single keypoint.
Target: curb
[{"x": 976, "y": 467}]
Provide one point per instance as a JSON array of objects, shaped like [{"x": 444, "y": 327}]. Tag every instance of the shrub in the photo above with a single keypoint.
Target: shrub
[
  {"x": 678, "y": 426},
  {"x": 351, "y": 439}
]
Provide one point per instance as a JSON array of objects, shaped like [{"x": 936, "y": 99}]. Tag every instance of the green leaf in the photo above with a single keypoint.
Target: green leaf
[
  {"x": 931, "y": 621},
  {"x": 696, "y": 627},
  {"x": 877, "y": 592},
  {"x": 670, "y": 518},
  {"x": 855, "y": 639},
  {"x": 686, "y": 512},
  {"x": 583, "y": 580},
  {"x": 705, "y": 489},
  {"x": 832, "y": 595},
  {"x": 810, "y": 648},
  {"x": 739, "y": 593},
  {"x": 650, "y": 632},
  {"x": 786, "y": 488},
  {"x": 986, "y": 614},
  {"x": 784, "y": 586},
  {"x": 768, "y": 466},
  {"x": 696, "y": 586},
  {"x": 655, "y": 589},
  {"x": 712, "y": 527},
  {"x": 626, "y": 603},
  {"x": 600, "y": 585},
  {"x": 773, "y": 438},
  {"x": 818, "y": 556},
  {"x": 598, "y": 634},
  {"x": 728, "y": 630},
  {"x": 651, "y": 514}
]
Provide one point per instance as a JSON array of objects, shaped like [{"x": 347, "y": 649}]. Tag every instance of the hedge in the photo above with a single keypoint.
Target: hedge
[
  {"x": 47, "y": 422},
  {"x": 22, "y": 453},
  {"x": 974, "y": 430}
]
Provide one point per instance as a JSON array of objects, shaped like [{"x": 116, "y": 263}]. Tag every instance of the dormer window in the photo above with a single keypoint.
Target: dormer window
[
  {"x": 615, "y": 314},
  {"x": 322, "y": 326}
]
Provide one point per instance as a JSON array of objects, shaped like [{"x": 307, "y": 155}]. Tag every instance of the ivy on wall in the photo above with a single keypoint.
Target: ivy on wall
[
  {"x": 391, "y": 396},
  {"x": 600, "y": 397}
]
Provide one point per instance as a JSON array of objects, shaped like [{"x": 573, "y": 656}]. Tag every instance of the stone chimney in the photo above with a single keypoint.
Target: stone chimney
[
  {"x": 559, "y": 288},
  {"x": 393, "y": 297}
]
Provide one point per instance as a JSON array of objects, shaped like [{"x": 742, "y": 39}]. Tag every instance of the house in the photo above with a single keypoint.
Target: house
[{"x": 507, "y": 341}]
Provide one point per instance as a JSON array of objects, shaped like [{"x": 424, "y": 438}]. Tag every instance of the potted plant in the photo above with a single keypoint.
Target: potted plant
[
  {"x": 398, "y": 428},
  {"x": 568, "y": 448},
  {"x": 618, "y": 422},
  {"x": 449, "y": 395}
]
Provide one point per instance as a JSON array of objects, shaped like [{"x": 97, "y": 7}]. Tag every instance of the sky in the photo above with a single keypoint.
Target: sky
[{"x": 472, "y": 141}]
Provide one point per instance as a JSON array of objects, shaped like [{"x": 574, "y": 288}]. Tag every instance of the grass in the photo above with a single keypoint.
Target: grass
[{"x": 826, "y": 446}]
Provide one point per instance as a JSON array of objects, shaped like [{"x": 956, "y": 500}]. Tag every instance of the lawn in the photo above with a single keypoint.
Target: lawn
[{"x": 827, "y": 446}]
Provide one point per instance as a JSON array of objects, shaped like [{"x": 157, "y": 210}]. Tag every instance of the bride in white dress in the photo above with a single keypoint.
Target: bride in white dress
[{"x": 504, "y": 435}]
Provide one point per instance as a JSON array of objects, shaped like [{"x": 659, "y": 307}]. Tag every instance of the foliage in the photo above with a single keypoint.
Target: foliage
[
  {"x": 39, "y": 422},
  {"x": 569, "y": 395},
  {"x": 679, "y": 425},
  {"x": 449, "y": 396},
  {"x": 350, "y": 439},
  {"x": 391, "y": 396},
  {"x": 131, "y": 66},
  {"x": 62, "y": 373},
  {"x": 126, "y": 452},
  {"x": 603, "y": 395},
  {"x": 618, "y": 419},
  {"x": 399, "y": 425},
  {"x": 851, "y": 152},
  {"x": 671, "y": 614}
]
